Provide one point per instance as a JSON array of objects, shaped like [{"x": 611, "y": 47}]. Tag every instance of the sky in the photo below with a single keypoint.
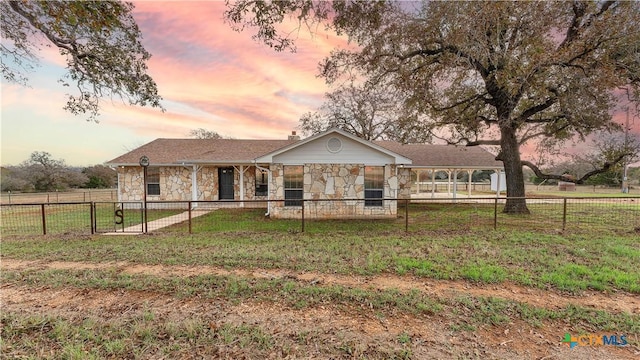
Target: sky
[{"x": 208, "y": 75}]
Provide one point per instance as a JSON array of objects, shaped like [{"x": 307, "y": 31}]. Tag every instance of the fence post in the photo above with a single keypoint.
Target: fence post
[
  {"x": 142, "y": 214},
  {"x": 190, "y": 232},
  {"x": 44, "y": 221},
  {"x": 564, "y": 214},
  {"x": 123, "y": 212},
  {"x": 302, "y": 201},
  {"x": 406, "y": 215},
  {"x": 495, "y": 214},
  {"x": 93, "y": 224}
]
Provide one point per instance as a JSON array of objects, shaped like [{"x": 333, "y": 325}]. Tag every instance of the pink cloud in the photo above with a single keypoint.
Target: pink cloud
[{"x": 200, "y": 62}]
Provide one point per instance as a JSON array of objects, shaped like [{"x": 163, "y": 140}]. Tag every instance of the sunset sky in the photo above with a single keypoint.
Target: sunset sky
[{"x": 209, "y": 76}]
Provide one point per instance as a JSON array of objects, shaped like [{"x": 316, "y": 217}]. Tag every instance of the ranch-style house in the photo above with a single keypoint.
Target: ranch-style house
[{"x": 368, "y": 177}]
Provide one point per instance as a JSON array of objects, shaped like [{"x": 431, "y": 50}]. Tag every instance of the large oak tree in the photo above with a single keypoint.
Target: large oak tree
[
  {"x": 99, "y": 40},
  {"x": 482, "y": 73}
]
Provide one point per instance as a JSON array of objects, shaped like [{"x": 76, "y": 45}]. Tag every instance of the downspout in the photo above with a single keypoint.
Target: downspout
[
  {"x": 269, "y": 178},
  {"x": 395, "y": 192},
  {"x": 194, "y": 185}
]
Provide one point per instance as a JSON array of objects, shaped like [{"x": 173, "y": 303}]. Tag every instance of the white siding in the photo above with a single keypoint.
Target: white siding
[{"x": 317, "y": 152}]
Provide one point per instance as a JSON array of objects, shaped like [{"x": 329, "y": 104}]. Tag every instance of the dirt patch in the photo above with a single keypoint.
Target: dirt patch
[
  {"x": 610, "y": 301},
  {"x": 339, "y": 332},
  {"x": 330, "y": 331}
]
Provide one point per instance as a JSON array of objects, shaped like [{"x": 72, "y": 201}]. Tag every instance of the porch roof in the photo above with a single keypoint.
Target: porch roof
[{"x": 431, "y": 156}]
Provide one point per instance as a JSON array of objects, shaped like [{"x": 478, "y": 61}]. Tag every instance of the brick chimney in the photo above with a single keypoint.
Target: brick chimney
[{"x": 293, "y": 136}]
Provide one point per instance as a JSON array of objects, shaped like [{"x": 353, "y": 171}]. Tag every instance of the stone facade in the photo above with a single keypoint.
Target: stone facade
[
  {"x": 320, "y": 182},
  {"x": 130, "y": 182},
  {"x": 335, "y": 182},
  {"x": 404, "y": 183},
  {"x": 175, "y": 184},
  {"x": 207, "y": 179}
]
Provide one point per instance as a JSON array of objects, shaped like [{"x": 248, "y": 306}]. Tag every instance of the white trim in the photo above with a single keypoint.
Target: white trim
[{"x": 398, "y": 159}]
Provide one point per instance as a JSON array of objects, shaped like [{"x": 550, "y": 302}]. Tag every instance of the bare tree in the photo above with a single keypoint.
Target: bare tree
[
  {"x": 41, "y": 172},
  {"x": 369, "y": 112},
  {"x": 100, "y": 177},
  {"x": 201, "y": 133}
]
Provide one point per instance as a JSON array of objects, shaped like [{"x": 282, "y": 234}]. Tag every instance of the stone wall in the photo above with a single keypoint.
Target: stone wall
[
  {"x": 249, "y": 179},
  {"x": 175, "y": 184},
  {"x": 404, "y": 183},
  {"x": 334, "y": 182},
  {"x": 320, "y": 181},
  {"x": 207, "y": 178},
  {"x": 130, "y": 181}
]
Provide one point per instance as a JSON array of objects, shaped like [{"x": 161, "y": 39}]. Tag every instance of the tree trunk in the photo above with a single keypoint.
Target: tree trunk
[{"x": 510, "y": 156}]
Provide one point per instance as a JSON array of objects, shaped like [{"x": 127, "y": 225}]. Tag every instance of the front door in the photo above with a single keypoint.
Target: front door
[{"x": 225, "y": 183}]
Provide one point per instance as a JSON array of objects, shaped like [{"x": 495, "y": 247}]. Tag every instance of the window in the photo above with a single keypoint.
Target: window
[
  {"x": 153, "y": 181},
  {"x": 293, "y": 188},
  {"x": 261, "y": 182},
  {"x": 373, "y": 185}
]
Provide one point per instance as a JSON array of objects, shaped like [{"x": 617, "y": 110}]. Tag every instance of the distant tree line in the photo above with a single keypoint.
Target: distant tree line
[{"x": 41, "y": 172}]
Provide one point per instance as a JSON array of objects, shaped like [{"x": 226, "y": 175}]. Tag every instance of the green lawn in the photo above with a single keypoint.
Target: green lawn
[{"x": 568, "y": 263}]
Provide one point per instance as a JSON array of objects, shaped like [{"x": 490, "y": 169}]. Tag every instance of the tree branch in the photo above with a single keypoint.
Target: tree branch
[
  {"x": 605, "y": 167},
  {"x": 546, "y": 133},
  {"x": 537, "y": 108}
]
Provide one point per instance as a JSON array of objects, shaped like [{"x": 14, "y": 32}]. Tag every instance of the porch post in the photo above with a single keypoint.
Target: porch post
[
  {"x": 470, "y": 174},
  {"x": 498, "y": 183},
  {"x": 242, "y": 185},
  {"x": 455, "y": 183},
  {"x": 448, "y": 181},
  {"x": 433, "y": 183}
]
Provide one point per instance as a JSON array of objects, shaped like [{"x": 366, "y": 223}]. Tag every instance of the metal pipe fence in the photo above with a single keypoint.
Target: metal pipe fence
[{"x": 613, "y": 215}]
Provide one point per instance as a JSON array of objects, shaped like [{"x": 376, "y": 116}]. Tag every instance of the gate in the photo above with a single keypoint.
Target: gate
[{"x": 118, "y": 217}]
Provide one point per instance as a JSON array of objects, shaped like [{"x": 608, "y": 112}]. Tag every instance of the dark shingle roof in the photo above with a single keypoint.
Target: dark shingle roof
[
  {"x": 175, "y": 151},
  {"x": 234, "y": 151}
]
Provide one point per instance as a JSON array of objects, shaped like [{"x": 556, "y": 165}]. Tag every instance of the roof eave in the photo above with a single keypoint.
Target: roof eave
[{"x": 399, "y": 159}]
